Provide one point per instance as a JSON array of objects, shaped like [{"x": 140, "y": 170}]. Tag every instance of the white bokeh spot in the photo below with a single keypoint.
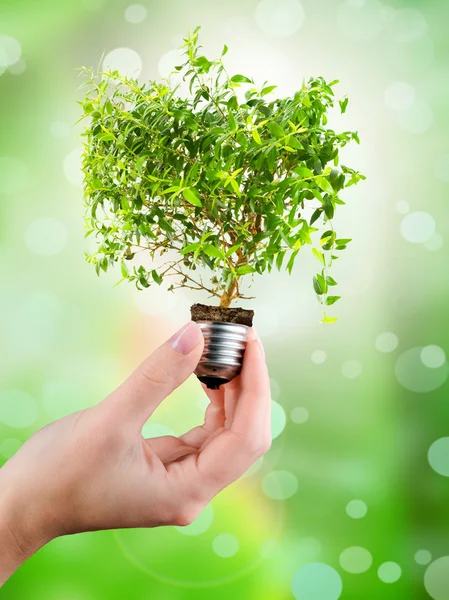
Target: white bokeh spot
[
  {"x": 299, "y": 415},
  {"x": 436, "y": 578},
  {"x": 433, "y": 356},
  {"x": 356, "y": 560},
  {"x": 438, "y": 456},
  {"x": 136, "y": 13},
  {"x": 317, "y": 581},
  {"x": 386, "y": 342},
  {"x": 279, "y": 485},
  {"x": 389, "y": 572},
  {"x": 124, "y": 60},
  {"x": 318, "y": 357},
  {"x": 356, "y": 509},
  {"x": 423, "y": 557},
  {"x": 413, "y": 374},
  {"x": 352, "y": 368},
  {"x": 225, "y": 545},
  {"x": 417, "y": 227}
]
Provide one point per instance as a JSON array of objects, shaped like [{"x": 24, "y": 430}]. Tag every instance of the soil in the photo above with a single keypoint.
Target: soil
[{"x": 203, "y": 312}]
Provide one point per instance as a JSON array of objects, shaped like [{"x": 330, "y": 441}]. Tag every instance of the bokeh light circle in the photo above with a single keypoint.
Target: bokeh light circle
[
  {"x": 278, "y": 419},
  {"x": 17, "y": 409},
  {"x": 417, "y": 227},
  {"x": 169, "y": 61},
  {"x": 201, "y": 523},
  {"x": 436, "y": 578},
  {"x": 279, "y": 485},
  {"x": 433, "y": 356},
  {"x": 125, "y": 60},
  {"x": 8, "y": 447},
  {"x": 225, "y": 545},
  {"x": 299, "y": 415},
  {"x": 438, "y": 456},
  {"x": 423, "y": 557},
  {"x": 318, "y": 357},
  {"x": 389, "y": 572},
  {"x": 10, "y": 51},
  {"x": 413, "y": 375},
  {"x": 136, "y": 13},
  {"x": 13, "y": 175},
  {"x": 356, "y": 560},
  {"x": 280, "y": 18},
  {"x": 317, "y": 581},
  {"x": 416, "y": 119},
  {"x": 386, "y": 342},
  {"x": 46, "y": 236},
  {"x": 399, "y": 96},
  {"x": 352, "y": 368},
  {"x": 356, "y": 509}
]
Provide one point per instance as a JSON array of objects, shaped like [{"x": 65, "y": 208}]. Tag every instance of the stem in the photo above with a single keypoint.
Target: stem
[{"x": 228, "y": 295}]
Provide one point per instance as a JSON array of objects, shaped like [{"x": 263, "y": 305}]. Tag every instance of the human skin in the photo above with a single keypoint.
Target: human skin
[{"x": 93, "y": 469}]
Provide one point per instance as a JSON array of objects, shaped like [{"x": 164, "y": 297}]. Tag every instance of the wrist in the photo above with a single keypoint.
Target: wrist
[{"x": 22, "y": 531}]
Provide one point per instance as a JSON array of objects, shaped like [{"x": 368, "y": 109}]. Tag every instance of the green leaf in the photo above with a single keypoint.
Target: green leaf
[
  {"x": 275, "y": 129},
  {"x": 256, "y": 136},
  {"x": 106, "y": 137},
  {"x": 330, "y": 280},
  {"x": 317, "y": 287},
  {"x": 225, "y": 50},
  {"x": 156, "y": 277},
  {"x": 303, "y": 172},
  {"x": 240, "y": 79},
  {"x": 212, "y": 251},
  {"x": 232, "y": 122},
  {"x": 332, "y": 300},
  {"x": 343, "y": 241},
  {"x": 327, "y": 319},
  {"x": 124, "y": 269},
  {"x": 324, "y": 185},
  {"x": 191, "y": 196},
  {"x": 316, "y": 215},
  {"x": 190, "y": 248},
  {"x": 343, "y": 105},
  {"x": 319, "y": 256},
  {"x": 245, "y": 270},
  {"x": 268, "y": 89}
]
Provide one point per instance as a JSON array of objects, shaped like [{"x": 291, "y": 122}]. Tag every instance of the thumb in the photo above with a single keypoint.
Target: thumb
[{"x": 162, "y": 372}]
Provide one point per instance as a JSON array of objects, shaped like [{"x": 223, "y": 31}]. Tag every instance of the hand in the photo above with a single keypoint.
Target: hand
[{"x": 93, "y": 470}]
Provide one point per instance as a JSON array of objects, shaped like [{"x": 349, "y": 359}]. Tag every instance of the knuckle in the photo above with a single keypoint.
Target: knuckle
[{"x": 155, "y": 374}]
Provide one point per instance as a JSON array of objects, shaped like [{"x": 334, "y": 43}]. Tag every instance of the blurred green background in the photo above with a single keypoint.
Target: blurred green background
[{"x": 352, "y": 499}]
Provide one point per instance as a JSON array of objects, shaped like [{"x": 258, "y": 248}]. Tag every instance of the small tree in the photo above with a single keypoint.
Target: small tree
[{"x": 220, "y": 181}]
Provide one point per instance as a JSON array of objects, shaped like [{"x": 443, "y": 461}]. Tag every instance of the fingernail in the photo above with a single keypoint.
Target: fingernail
[{"x": 186, "y": 339}]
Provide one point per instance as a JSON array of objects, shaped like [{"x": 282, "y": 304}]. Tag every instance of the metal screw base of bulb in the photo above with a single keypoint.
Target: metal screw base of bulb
[{"x": 224, "y": 347}]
